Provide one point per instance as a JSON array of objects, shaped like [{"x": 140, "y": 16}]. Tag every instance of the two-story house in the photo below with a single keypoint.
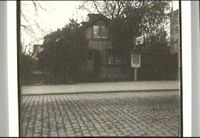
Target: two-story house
[{"x": 102, "y": 62}]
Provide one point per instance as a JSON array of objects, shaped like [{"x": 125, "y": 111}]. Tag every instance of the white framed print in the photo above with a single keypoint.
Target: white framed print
[{"x": 61, "y": 83}]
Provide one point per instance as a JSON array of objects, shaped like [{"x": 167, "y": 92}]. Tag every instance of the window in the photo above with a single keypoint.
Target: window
[
  {"x": 110, "y": 58},
  {"x": 100, "y": 31},
  {"x": 113, "y": 58},
  {"x": 89, "y": 55}
]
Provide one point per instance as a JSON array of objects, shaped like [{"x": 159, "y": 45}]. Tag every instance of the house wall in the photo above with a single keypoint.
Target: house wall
[{"x": 105, "y": 71}]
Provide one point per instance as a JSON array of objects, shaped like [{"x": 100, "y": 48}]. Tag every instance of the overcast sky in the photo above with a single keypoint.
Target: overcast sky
[{"x": 55, "y": 15}]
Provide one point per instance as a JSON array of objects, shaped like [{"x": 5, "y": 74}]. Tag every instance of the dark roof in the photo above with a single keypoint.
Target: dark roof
[{"x": 93, "y": 18}]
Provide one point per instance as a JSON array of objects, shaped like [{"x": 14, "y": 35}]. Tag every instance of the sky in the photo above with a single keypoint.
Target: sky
[
  {"x": 58, "y": 14},
  {"x": 52, "y": 16}
]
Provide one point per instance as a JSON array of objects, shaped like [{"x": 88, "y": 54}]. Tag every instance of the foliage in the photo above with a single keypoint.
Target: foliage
[
  {"x": 156, "y": 44},
  {"x": 31, "y": 30},
  {"x": 129, "y": 19},
  {"x": 63, "y": 52},
  {"x": 25, "y": 68}
]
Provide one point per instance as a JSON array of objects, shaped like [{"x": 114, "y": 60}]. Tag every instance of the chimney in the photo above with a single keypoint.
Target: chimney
[{"x": 94, "y": 17}]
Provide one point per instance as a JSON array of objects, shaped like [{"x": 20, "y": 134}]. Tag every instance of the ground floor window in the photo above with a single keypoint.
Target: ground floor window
[
  {"x": 89, "y": 55},
  {"x": 113, "y": 57}
]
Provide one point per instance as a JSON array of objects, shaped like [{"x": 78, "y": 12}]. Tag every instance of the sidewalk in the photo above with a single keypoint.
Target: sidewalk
[{"x": 101, "y": 87}]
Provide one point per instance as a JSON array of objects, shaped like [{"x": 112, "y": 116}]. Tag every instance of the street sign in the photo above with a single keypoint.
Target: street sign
[
  {"x": 139, "y": 40},
  {"x": 135, "y": 60}
]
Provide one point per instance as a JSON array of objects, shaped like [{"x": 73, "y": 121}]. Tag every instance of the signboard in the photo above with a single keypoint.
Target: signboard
[
  {"x": 135, "y": 60},
  {"x": 139, "y": 40}
]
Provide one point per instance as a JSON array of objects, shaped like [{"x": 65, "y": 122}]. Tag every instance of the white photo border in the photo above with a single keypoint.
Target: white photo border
[
  {"x": 12, "y": 68},
  {"x": 3, "y": 70},
  {"x": 186, "y": 67},
  {"x": 195, "y": 68}
]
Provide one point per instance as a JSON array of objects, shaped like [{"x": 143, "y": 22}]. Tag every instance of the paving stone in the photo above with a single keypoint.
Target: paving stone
[{"x": 105, "y": 114}]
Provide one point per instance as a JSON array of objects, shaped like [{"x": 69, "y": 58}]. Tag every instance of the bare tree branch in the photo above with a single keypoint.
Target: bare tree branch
[
  {"x": 30, "y": 26},
  {"x": 96, "y": 7}
]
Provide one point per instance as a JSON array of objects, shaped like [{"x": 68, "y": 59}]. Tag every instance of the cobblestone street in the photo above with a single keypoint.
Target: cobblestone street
[{"x": 102, "y": 114}]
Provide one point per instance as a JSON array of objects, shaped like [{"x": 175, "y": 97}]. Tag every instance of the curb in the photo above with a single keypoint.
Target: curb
[{"x": 100, "y": 92}]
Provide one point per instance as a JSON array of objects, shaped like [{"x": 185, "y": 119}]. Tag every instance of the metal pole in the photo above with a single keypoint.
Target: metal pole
[{"x": 135, "y": 74}]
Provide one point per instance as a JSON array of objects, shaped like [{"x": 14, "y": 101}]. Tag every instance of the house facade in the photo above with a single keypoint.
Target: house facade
[
  {"x": 102, "y": 62},
  {"x": 175, "y": 37},
  {"x": 175, "y": 32}
]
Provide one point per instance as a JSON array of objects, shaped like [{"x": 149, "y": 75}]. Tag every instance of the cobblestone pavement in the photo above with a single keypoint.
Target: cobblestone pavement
[{"x": 105, "y": 114}]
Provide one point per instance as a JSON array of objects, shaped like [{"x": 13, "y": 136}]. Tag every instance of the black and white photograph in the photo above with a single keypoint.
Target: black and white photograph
[{"x": 94, "y": 68}]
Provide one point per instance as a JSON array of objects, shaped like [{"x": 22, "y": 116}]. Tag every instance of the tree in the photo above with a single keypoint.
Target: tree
[
  {"x": 155, "y": 43},
  {"x": 63, "y": 52},
  {"x": 29, "y": 26},
  {"x": 25, "y": 68},
  {"x": 129, "y": 19}
]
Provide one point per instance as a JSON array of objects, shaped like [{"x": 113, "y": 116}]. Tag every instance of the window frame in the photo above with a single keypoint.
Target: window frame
[
  {"x": 115, "y": 55},
  {"x": 101, "y": 36}
]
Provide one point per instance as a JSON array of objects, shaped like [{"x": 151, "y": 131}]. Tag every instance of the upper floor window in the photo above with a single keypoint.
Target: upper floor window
[{"x": 100, "y": 31}]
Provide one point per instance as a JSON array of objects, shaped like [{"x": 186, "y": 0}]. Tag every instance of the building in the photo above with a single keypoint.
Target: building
[
  {"x": 36, "y": 72},
  {"x": 175, "y": 38},
  {"x": 103, "y": 62},
  {"x": 36, "y": 51},
  {"x": 175, "y": 32}
]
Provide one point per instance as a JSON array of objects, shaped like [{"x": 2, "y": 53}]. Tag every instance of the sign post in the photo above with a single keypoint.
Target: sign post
[
  {"x": 135, "y": 74},
  {"x": 135, "y": 63},
  {"x": 135, "y": 57}
]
